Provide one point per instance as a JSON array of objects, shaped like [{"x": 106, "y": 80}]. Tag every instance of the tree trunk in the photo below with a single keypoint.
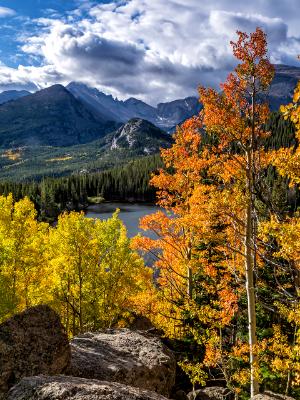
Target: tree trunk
[
  {"x": 249, "y": 273},
  {"x": 249, "y": 250},
  {"x": 189, "y": 282},
  {"x": 189, "y": 273}
]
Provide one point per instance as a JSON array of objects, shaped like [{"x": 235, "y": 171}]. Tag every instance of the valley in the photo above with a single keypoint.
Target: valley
[{"x": 149, "y": 237}]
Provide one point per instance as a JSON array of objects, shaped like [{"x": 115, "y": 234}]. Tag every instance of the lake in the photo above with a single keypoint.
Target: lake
[{"x": 130, "y": 214}]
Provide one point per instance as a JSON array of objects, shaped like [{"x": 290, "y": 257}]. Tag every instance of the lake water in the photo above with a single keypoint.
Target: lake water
[{"x": 130, "y": 214}]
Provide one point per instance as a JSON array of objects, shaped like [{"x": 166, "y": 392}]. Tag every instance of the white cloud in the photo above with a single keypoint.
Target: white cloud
[
  {"x": 155, "y": 49},
  {"x": 6, "y": 12}
]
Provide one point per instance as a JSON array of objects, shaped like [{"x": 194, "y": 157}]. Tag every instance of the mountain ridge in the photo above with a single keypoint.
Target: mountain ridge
[
  {"x": 136, "y": 138},
  {"x": 51, "y": 116},
  {"x": 11, "y": 95},
  {"x": 164, "y": 116},
  {"x": 77, "y": 114},
  {"x": 167, "y": 115}
]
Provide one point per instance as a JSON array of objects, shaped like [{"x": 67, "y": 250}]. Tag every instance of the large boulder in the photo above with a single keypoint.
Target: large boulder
[
  {"x": 120, "y": 355},
  {"x": 70, "y": 388},
  {"x": 211, "y": 393},
  {"x": 31, "y": 343}
]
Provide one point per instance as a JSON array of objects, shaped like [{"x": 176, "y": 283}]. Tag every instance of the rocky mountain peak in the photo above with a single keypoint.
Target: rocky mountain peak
[{"x": 140, "y": 135}]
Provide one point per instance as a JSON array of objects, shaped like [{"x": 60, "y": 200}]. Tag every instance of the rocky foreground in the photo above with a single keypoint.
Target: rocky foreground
[
  {"x": 71, "y": 388},
  {"x": 38, "y": 363},
  {"x": 132, "y": 358}
]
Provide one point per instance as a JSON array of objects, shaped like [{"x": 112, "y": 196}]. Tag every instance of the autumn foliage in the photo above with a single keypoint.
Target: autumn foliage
[
  {"x": 210, "y": 246},
  {"x": 226, "y": 272},
  {"x": 83, "y": 268}
]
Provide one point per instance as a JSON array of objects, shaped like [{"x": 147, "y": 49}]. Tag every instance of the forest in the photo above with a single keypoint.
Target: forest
[
  {"x": 52, "y": 196},
  {"x": 130, "y": 182},
  {"x": 227, "y": 273}
]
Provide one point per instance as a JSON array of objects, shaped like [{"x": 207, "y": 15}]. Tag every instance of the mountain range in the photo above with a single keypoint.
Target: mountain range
[
  {"x": 9, "y": 95},
  {"x": 283, "y": 85},
  {"x": 78, "y": 127},
  {"x": 52, "y": 117},
  {"x": 165, "y": 115}
]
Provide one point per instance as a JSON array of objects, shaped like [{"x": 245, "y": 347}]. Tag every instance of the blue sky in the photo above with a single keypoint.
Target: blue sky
[
  {"x": 22, "y": 21},
  {"x": 34, "y": 8},
  {"x": 156, "y": 50}
]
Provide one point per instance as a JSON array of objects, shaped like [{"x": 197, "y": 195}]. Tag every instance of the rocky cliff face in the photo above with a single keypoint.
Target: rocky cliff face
[
  {"x": 165, "y": 115},
  {"x": 139, "y": 136}
]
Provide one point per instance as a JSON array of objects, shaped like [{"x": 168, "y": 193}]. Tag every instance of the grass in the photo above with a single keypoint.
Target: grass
[
  {"x": 12, "y": 155},
  {"x": 63, "y": 158},
  {"x": 96, "y": 200}
]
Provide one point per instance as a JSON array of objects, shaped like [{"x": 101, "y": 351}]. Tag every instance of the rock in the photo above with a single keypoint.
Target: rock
[
  {"x": 210, "y": 393},
  {"x": 120, "y": 355},
  {"x": 31, "y": 343},
  {"x": 140, "y": 323},
  {"x": 180, "y": 395},
  {"x": 267, "y": 395},
  {"x": 70, "y": 388}
]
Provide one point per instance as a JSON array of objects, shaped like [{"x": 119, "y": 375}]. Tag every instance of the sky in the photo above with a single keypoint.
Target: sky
[{"x": 154, "y": 50}]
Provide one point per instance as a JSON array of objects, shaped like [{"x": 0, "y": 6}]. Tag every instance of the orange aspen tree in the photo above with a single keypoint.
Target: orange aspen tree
[
  {"x": 213, "y": 178},
  {"x": 190, "y": 266},
  {"x": 176, "y": 233},
  {"x": 236, "y": 116}
]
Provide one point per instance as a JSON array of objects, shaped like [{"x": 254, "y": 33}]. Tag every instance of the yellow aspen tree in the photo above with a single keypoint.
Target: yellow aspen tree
[
  {"x": 286, "y": 233},
  {"x": 97, "y": 275},
  {"x": 23, "y": 241}
]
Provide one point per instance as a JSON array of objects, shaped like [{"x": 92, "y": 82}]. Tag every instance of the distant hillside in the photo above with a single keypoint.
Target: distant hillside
[
  {"x": 283, "y": 85},
  {"x": 135, "y": 139},
  {"x": 51, "y": 117},
  {"x": 9, "y": 95}
]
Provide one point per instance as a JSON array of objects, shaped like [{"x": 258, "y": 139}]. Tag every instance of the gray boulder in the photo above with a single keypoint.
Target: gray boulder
[
  {"x": 70, "y": 388},
  {"x": 120, "y": 355},
  {"x": 31, "y": 343},
  {"x": 210, "y": 393}
]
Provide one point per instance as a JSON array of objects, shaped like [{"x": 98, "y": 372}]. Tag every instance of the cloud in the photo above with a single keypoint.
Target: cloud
[
  {"x": 155, "y": 50},
  {"x": 6, "y": 12},
  {"x": 225, "y": 22},
  {"x": 17, "y": 79}
]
